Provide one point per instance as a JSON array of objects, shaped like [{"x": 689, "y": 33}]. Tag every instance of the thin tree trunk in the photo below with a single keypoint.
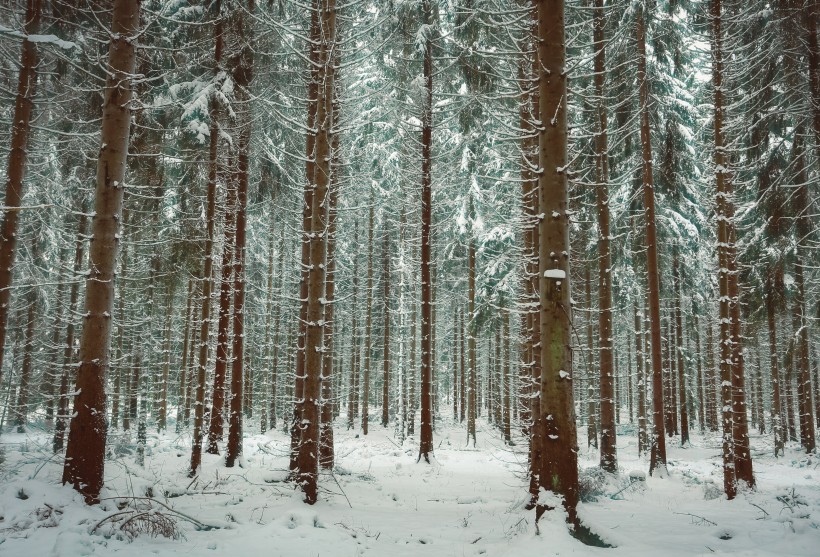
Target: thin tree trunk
[
  {"x": 386, "y": 330},
  {"x": 214, "y": 166},
  {"x": 215, "y": 430},
  {"x": 326, "y": 457},
  {"x": 242, "y": 76},
  {"x": 182, "y": 402},
  {"x": 68, "y": 348},
  {"x": 51, "y": 378},
  {"x": 657, "y": 459},
  {"x": 684, "y": 412},
  {"x": 86, "y": 440},
  {"x": 701, "y": 396},
  {"x": 723, "y": 212},
  {"x": 592, "y": 406},
  {"x": 609, "y": 457},
  {"x": 639, "y": 360},
  {"x": 26, "y": 369},
  {"x": 354, "y": 346},
  {"x": 471, "y": 348},
  {"x": 162, "y": 417},
  {"x": 368, "y": 326},
  {"x": 16, "y": 169}
]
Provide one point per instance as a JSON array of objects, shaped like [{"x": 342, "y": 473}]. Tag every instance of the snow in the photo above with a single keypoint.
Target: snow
[
  {"x": 380, "y": 501},
  {"x": 558, "y": 274}
]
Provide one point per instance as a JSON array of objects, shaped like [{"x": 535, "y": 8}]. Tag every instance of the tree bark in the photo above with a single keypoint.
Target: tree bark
[
  {"x": 86, "y": 440},
  {"x": 559, "y": 457},
  {"x": 639, "y": 360},
  {"x": 242, "y": 68},
  {"x": 214, "y": 169},
  {"x": 426, "y": 425},
  {"x": 368, "y": 325},
  {"x": 609, "y": 456},
  {"x": 472, "y": 394},
  {"x": 684, "y": 411},
  {"x": 308, "y": 447},
  {"x": 16, "y": 170},
  {"x": 217, "y": 423},
  {"x": 657, "y": 459},
  {"x": 386, "y": 329}
]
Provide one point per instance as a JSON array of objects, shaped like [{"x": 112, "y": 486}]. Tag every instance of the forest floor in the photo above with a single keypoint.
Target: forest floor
[{"x": 380, "y": 502}]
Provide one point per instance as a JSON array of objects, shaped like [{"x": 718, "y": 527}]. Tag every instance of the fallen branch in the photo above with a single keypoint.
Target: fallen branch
[{"x": 702, "y": 519}]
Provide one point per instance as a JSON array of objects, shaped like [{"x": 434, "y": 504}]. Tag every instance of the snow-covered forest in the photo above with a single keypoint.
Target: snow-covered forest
[{"x": 409, "y": 277}]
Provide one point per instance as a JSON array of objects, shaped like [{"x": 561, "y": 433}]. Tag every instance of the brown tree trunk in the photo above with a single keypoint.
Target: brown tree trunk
[
  {"x": 162, "y": 416},
  {"x": 426, "y": 425},
  {"x": 308, "y": 447},
  {"x": 242, "y": 75},
  {"x": 506, "y": 384},
  {"x": 559, "y": 456},
  {"x": 639, "y": 360},
  {"x": 456, "y": 355},
  {"x": 609, "y": 457},
  {"x": 462, "y": 380},
  {"x": 701, "y": 395},
  {"x": 86, "y": 440},
  {"x": 51, "y": 378},
  {"x": 214, "y": 168},
  {"x": 684, "y": 411},
  {"x": 16, "y": 170},
  {"x": 386, "y": 330},
  {"x": 215, "y": 430},
  {"x": 326, "y": 457},
  {"x": 472, "y": 394},
  {"x": 182, "y": 402},
  {"x": 657, "y": 459},
  {"x": 710, "y": 387},
  {"x": 28, "y": 355},
  {"x": 368, "y": 326},
  {"x": 592, "y": 406},
  {"x": 724, "y": 213},
  {"x": 354, "y": 331}
]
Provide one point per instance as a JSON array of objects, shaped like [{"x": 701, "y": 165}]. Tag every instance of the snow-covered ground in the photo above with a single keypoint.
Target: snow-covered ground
[{"x": 381, "y": 502}]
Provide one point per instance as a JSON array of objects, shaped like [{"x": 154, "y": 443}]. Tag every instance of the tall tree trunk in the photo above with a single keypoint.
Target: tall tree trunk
[
  {"x": 86, "y": 440},
  {"x": 27, "y": 369},
  {"x": 506, "y": 384},
  {"x": 684, "y": 411},
  {"x": 657, "y": 459},
  {"x": 592, "y": 406},
  {"x": 368, "y": 325},
  {"x": 354, "y": 344},
  {"x": 162, "y": 417},
  {"x": 215, "y": 430},
  {"x": 182, "y": 402},
  {"x": 16, "y": 170},
  {"x": 313, "y": 90},
  {"x": 609, "y": 457},
  {"x": 723, "y": 214},
  {"x": 51, "y": 378},
  {"x": 214, "y": 166},
  {"x": 559, "y": 457},
  {"x": 68, "y": 348},
  {"x": 426, "y": 425},
  {"x": 639, "y": 360},
  {"x": 472, "y": 394},
  {"x": 326, "y": 457},
  {"x": 386, "y": 329},
  {"x": 308, "y": 448},
  {"x": 701, "y": 396},
  {"x": 242, "y": 66}
]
